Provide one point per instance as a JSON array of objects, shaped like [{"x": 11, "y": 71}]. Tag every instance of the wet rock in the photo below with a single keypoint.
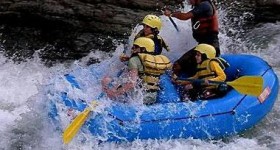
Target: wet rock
[
  {"x": 267, "y": 10},
  {"x": 62, "y": 30},
  {"x": 68, "y": 29}
]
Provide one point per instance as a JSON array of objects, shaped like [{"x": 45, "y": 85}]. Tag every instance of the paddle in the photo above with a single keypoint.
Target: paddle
[
  {"x": 249, "y": 85},
  {"x": 174, "y": 24},
  {"x": 77, "y": 123},
  {"x": 73, "y": 128},
  {"x": 171, "y": 20}
]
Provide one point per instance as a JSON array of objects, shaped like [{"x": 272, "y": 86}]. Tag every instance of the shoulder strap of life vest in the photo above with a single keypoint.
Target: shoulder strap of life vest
[
  {"x": 159, "y": 43},
  {"x": 222, "y": 62}
]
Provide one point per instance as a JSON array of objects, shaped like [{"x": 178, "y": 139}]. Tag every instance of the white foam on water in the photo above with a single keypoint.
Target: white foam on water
[{"x": 25, "y": 88}]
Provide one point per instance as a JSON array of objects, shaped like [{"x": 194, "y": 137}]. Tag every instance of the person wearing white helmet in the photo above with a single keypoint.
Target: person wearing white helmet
[
  {"x": 143, "y": 65},
  {"x": 208, "y": 69},
  {"x": 151, "y": 27}
]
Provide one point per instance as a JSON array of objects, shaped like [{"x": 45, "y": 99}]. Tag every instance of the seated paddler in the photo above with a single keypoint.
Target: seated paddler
[
  {"x": 208, "y": 81},
  {"x": 143, "y": 74}
]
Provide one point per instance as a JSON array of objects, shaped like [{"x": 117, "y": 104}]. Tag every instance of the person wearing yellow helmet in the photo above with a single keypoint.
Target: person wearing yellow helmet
[
  {"x": 206, "y": 49},
  {"x": 152, "y": 21},
  {"x": 208, "y": 69},
  {"x": 151, "y": 27},
  {"x": 142, "y": 65}
]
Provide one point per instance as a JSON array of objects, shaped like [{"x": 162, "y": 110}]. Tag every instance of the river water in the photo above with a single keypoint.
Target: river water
[{"x": 24, "y": 90}]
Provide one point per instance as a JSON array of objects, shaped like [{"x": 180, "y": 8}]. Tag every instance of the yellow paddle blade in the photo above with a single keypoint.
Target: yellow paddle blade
[
  {"x": 77, "y": 123},
  {"x": 249, "y": 85}
]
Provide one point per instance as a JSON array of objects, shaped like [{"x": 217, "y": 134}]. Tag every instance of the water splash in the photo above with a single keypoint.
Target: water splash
[{"x": 25, "y": 88}]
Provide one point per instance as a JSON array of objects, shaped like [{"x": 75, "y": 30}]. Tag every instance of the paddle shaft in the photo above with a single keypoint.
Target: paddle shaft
[
  {"x": 250, "y": 85},
  {"x": 77, "y": 123},
  {"x": 171, "y": 20},
  {"x": 174, "y": 24},
  {"x": 73, "y": 128}
]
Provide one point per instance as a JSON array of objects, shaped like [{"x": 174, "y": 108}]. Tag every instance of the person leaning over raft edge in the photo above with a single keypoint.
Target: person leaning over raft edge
[
  {"x": 144, "y": 70},
  {"x": 205, "y": 30},
  {"x": 151, "y": 27},
  {"x": 209, "y": 68}
]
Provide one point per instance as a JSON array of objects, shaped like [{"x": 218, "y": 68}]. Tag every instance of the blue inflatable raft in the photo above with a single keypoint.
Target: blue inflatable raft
[{"x": 171, "y": 118}]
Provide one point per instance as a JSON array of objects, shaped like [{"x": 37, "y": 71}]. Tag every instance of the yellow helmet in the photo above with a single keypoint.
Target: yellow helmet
[
  {"x": 207, "y": 49},
  {"x": 153, "y": 21},
  {"x": 145, "y": 42}
]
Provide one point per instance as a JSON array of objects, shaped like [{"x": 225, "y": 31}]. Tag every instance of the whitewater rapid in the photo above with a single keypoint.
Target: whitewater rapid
[{"x": 24, "y": 90}]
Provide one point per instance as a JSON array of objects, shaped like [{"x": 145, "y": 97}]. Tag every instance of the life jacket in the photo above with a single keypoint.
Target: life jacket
[
  {"x": 205, "y": 71},
  {"x": 158, "y": 40},
  {"x": 205, "y": 25},
  {"x": 154, "y": 66},
  {"x": 159, "y": 43},
  {"x": 222, "y": 62}
]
